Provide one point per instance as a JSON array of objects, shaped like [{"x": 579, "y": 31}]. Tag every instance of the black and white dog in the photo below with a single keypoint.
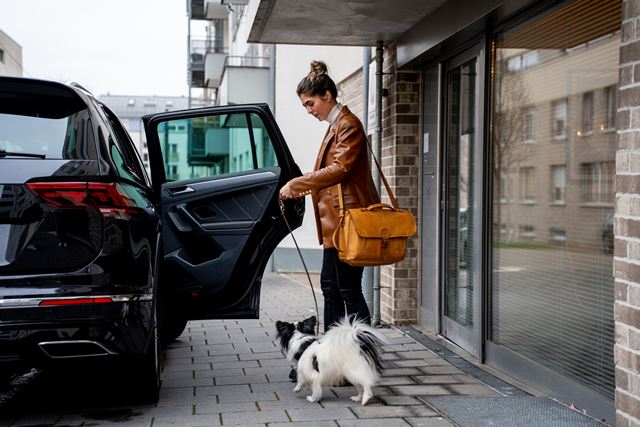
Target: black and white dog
[{"x": 350, "y": 351}]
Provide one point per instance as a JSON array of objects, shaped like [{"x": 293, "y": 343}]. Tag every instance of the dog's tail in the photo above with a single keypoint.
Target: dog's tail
[{"x": 369, "y": 339}]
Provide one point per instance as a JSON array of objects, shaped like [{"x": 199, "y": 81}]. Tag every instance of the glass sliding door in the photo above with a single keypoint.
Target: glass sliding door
[{"x": 461, "y": 303}]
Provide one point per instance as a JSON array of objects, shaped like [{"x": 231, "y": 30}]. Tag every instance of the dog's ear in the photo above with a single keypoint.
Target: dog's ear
[
  {"x": 307, "y": 326},
  {"x": 283, "y": 328}
]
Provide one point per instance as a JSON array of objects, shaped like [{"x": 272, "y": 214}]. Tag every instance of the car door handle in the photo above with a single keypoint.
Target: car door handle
[{"x": 178, "y": 191}]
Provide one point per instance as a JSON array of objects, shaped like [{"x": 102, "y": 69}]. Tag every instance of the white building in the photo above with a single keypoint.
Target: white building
[{"x": 10, "y": 56}]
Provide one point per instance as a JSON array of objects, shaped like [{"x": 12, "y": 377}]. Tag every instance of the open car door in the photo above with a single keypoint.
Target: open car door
[{"x": 217, "y": 173}]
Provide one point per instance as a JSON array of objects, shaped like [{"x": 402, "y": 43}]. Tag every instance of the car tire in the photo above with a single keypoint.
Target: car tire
[
  {"x": 172, "y": 328},
  {"x": 148, "y": 367}
]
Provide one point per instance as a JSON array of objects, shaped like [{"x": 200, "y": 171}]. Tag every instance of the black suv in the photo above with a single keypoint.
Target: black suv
[{"x": 100, "y": 262}]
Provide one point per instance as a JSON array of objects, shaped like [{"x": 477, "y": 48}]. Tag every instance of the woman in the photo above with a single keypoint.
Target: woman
[{"x": 342, "y": 159}]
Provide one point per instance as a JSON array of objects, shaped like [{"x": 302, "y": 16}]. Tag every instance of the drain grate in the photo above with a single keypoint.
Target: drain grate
[{"x": 517, "y": 411}]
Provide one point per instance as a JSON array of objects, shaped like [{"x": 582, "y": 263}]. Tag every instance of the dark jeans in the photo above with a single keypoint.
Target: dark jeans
[{"x": 341, "y": 286}]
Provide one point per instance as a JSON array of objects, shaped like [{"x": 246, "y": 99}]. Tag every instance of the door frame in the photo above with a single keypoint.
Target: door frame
[{"x": 471, "y": 341}]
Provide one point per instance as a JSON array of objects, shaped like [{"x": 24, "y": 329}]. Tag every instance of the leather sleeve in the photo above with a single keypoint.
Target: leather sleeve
[{"x": 348, "y": 146}]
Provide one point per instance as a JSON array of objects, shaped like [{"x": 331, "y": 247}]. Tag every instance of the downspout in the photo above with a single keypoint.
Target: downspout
[
  {"x": 375, "y": 320},
  {"x": 367, "y": 279}
]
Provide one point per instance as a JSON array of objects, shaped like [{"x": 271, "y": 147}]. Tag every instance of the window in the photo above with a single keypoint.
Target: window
[
  {"x": 215, "y": 145},
  {"x": 527, "y": 231},
  {"x": 1, "y": 55},
  {"x": 528, "y": 124},
  {"x": 587, "y": 112},
  {"x": 557, "y": 235},
  {"x": 610, "y": 107},
  {"x": 530, "y": 59},
  {"x": 123, "y": 151},
  {"x": 559, "y": 125},
  {"x": 598, "y": 181},
  {"x": 558, "y": 184},
  {"x": 527, "y": 184}
]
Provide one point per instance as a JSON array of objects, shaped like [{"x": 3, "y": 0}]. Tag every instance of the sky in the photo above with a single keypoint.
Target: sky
[{"x": 121, "y": 47}]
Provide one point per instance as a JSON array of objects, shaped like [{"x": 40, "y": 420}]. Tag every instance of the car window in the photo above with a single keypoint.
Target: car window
[
  {"x": 69, "y": 137},
  {"x": 215, "y": 145},
  {"x": 123, "y": 153}
]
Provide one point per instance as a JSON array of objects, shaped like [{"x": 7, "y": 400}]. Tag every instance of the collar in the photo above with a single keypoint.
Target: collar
[{"x": 333, "y": 115}]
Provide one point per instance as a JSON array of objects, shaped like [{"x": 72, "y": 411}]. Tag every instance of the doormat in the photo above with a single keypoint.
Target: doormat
[{"x": 517, "y": 411}]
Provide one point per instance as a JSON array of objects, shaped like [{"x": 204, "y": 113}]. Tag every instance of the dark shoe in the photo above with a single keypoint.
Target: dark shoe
[{"x": 293, "y": 375}]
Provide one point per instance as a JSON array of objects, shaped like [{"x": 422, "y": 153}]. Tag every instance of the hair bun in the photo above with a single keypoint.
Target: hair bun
[{"x": 318, "y": 69}]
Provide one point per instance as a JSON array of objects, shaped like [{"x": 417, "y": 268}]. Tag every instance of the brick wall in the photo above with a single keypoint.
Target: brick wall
[
  {"x": 400, "y": 143},
  {"x": 400, "y": 148},
  {"x": 627, "y": 225}
]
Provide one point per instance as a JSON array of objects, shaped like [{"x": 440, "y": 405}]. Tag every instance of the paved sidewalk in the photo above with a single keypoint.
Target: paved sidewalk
[{"x": 223, "y": 373}]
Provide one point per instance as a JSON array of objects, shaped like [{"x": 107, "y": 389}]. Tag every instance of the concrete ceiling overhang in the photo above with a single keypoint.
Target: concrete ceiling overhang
[{"x": 337, "y": 22}]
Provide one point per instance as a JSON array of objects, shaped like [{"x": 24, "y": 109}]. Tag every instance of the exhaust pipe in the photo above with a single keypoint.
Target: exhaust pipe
[{"x": 75, "y": 348}]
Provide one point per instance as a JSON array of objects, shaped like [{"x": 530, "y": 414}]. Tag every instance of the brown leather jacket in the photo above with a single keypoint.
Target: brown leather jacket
[{"x": 343, "y": 158}]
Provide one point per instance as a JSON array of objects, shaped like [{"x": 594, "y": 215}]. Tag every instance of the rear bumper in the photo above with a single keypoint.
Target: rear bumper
[{"x": 34, "y": 334}]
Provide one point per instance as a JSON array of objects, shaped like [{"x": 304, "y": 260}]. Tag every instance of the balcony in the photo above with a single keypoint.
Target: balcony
[
  {"x": 197, "y": 9},
  {"x": 245, "y": 79},
  {"x": 206, "y": 62}
]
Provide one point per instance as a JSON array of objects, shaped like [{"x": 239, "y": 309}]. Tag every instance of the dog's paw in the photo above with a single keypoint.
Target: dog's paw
[
  {"x": 297, "y": 388},
  {"x": 310, "y": 399},
  {"x": 357, "y": 398}
]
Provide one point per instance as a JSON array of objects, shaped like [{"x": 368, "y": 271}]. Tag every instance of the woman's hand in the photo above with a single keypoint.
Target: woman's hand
[{"x": 286, "y": 193}]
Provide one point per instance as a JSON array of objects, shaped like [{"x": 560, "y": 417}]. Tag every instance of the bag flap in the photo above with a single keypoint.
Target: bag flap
[{"x": 383, "y": 222}]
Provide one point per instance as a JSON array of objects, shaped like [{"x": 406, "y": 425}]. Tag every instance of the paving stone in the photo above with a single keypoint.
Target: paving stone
[
  {"x": 473, "y": 389},
  {"x": 403, "y": 363},
  {"x": 34, "y": 420},
  {"x": 391, "y": 372},
  {"x": 305, "y": 424},
  {"x": 300, "y": 402},
  {"x": 369, "y": 422},
  {"x": 241, "y": 379},
  {"x": 191, "y": 367},
  {"x": 217, "y": 390},
  {"x": 423, "y": 411},
  {"x": 217, "y": 408},
  {"x": 285, "y": 387},
  {"x": 418, "y": 354},
  {"x": 389, "y": 356},
  {"x": 246, "y": 397},
  {"x": 437, "y": 379},
  {"x": 399, "y": 400},
  {"x": 436, "y": 370},
  {"x": 275, "y": 362},
  {"x": 193, "y": 420},
  {"x": 186, "y": 382},
  {"x": 428, "y": 422},
  {"x": 320, "y": 414},
  {"x": 395, "y": 381},
  {"x": 261, "y": 356},
  {"x": 382, "y": 412},
  {"x": 420, "y": 390},
  {"x": 244, "y": 418},
  {"x": 219, "y": 373}
]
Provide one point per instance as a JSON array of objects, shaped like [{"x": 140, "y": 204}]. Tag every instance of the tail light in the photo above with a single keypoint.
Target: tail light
[
  {"x": 76, "y": 301},
  {"x": 108, "y": 198}
]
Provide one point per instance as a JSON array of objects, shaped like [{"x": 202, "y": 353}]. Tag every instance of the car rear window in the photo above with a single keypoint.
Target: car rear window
[{"x": 68, "y": 137}]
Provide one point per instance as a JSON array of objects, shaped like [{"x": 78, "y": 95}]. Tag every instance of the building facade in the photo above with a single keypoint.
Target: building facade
[
  {"x": 509, "y": 129},
  {"x": 10, "y": 56}
]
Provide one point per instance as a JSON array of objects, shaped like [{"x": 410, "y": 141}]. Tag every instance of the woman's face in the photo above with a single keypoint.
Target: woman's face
[{"x": 318, "y": 106}]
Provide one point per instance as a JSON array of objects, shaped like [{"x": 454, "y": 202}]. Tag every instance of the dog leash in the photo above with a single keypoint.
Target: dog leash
[{"x": 304, "y": 264}]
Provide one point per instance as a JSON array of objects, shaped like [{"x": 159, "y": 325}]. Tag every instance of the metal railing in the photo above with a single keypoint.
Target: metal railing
[{"x": 246, "y": 61}]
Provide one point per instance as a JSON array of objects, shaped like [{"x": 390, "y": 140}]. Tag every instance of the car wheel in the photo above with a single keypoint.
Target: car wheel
[
  {"x": 172, "y": 328},
  {"x": 147, "y": 370}
]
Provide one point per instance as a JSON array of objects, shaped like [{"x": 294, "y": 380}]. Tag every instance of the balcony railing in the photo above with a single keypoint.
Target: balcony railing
[{"x": 247, "y": 61}]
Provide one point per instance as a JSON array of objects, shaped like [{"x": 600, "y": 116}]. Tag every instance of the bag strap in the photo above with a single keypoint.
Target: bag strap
[{"x": 394, "y": 202}]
